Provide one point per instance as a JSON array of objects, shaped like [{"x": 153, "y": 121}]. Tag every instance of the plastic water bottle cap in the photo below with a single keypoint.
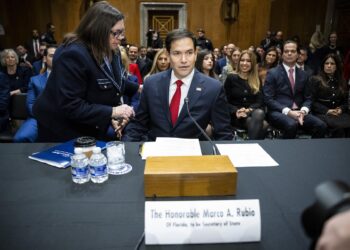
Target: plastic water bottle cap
[
  {"x": 78, "y": 151},
  {"x": 96, "y": 150}
]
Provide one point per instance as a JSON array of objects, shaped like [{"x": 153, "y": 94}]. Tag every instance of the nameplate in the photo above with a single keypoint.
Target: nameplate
[{"x": 198, "y": 222}]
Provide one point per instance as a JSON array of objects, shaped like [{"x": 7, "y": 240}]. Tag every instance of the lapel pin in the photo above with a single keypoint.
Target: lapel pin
[{"x": 198, "y": 89}]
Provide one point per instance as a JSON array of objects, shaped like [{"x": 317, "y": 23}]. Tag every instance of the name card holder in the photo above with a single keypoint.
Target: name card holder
[{"x": 201, "y": 222}]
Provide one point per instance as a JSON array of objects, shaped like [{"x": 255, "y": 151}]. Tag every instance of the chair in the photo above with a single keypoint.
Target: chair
[{"x": 18, "y": 113}]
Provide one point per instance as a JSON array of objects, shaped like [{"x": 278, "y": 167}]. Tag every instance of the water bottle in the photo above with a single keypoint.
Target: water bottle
[
  {"x": 80, "y": 167},
  {"x": 98, "y": 166}
]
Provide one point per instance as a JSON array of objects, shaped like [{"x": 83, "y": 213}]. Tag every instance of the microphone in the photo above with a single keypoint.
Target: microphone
[{"x": 215, "y": 149}]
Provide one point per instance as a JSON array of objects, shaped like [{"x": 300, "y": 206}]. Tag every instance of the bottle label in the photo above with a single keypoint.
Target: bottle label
[
  {"x": 80, "y": 172},
  {"x": 98, "y": 170}
]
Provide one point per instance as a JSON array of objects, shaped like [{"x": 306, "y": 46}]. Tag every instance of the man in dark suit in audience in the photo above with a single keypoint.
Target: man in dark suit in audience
[
  {"x": 287, "y": 97},
  {"x": 301, "y": 62},
  {"x": 222, "y": 62},
  {"x": 163, "y": 106}
]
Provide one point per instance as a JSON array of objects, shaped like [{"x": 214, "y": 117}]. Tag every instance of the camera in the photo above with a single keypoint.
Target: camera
[{"x": 332, "y": 197}]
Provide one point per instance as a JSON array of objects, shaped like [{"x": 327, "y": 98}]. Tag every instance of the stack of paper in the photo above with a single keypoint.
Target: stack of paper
[{"x": 166, "y": 146}]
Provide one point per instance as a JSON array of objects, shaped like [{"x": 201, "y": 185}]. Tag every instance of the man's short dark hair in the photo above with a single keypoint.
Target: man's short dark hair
[
  {"x": 179, "y": 34},
  {"x": 291, "y": 41}
]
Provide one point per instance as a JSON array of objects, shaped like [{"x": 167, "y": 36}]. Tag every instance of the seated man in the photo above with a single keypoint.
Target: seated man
[
  {"x": 287, "y": 98},
  {"x": 28, "y": 132},
  {"x": 163, "y": 106}
]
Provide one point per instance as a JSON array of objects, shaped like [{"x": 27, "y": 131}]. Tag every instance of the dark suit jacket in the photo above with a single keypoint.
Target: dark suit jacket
[
  {"x": 278, "y": 92},
  {"x": 207, "y": 103},
  {"x": 4, "y": 101},
  {"x": 220, "y": 64},
  {"x": 79, "y": 95}
]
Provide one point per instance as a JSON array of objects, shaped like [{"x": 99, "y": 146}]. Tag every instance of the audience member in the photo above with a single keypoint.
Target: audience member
[
  {"x": 332, "y": 47},
  {"x": 28, "y": 132},
  {"x": 83, "y": 93},
  {"x": 4, "y": 101},
  {"x": 205, "y": 63},
  {"x": 221, "y": 63},
  {"x": 17, "y": 76},
  {"x": 287, "y": 98},
  {"x": 163, "y": 105},
  {"x": 49, "y": 36},
  {"x": 25, "y": 60},
  {"x": 301, "y": 62},
  {"x": 217, "y": 54},
  {"x": 135, "y": 62},
  {"x": 203, "y": 42},
  {"x": 266, "y": 42},
  {"x": 157, "y": 42},
  {"x": 330, "y": 97},
  {"x": 232, "y": 65},
  {"x": 315, "y": 51},
  {"x": 270, "y": 60},
  {"x": 245, "y": 97},
  {"x": 33, "y": 45},
  {"x": 277, "y": 40},
  {"x": 39, "y": 64},
  {"x": 161, "y": 62}
]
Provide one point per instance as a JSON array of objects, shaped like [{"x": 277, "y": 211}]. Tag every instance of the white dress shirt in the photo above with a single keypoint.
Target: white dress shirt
[{"x": 184, "y": 87}]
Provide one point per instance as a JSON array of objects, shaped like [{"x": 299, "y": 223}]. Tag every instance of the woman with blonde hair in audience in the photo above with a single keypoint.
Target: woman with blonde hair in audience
[
  {"x": 232, "y": 66},
  {"x": 161, "y": 62},
  {"x": 245, "y": 97},
  {"x": 315, "y": 52},
  {"x": 205, "y": 63},
  {"x": 330, "y": 97},
  {"x": 16, "y": 76}
]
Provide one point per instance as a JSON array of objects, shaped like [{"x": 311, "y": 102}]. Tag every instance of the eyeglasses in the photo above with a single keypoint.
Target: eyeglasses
[{"x": 118, "y": 33}]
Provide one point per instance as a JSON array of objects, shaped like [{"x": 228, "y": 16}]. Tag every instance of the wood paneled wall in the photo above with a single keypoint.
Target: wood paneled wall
[
  {"x": 20, "y": 17},
  {"x": 298, "y": 17},
  {"x": 255, "y": 17}
]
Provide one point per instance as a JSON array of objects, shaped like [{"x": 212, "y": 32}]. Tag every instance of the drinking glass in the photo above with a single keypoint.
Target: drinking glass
[{"x": 116, "y": 158}]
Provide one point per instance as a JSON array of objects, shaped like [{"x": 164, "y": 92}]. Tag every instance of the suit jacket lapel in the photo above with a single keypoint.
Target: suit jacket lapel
[
  {"x": 286, "y": 79},
  {"x": 163, "y": 93}
]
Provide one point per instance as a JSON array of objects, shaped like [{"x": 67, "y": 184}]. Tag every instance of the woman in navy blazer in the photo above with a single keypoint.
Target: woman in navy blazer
[{"x": 83, "y": 95}]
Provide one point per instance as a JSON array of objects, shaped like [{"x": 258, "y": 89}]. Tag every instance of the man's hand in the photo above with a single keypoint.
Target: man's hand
[{"x": 297, "y": 115}]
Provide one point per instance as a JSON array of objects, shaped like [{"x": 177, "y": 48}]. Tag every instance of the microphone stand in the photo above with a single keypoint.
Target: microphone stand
[{"x": 215, "y": 149}]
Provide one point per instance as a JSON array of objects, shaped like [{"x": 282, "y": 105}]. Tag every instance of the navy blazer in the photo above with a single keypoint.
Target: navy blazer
[
  {"x": 79, "y": 95},
  {"x": 278, "y": 92},
  {"x": 4, "y": 100},
  {"x": 207, "y": 104},
  {"x": 220, "y": 64}
]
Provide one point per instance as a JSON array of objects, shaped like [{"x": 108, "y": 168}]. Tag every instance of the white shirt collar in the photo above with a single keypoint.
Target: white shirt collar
[{"x": 186, "y": 80}]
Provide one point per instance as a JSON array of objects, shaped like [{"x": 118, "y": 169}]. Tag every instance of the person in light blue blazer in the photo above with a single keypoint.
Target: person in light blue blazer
[{"x": 28, "y": 132}]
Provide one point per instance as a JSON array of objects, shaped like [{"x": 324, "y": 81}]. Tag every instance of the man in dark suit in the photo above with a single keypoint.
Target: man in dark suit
[
  {"x": 222, "y": 62},
  {"x": 163, "y": 106},
  {"x": 301, "y": 62},
  {"x": 287, "y": 97}
]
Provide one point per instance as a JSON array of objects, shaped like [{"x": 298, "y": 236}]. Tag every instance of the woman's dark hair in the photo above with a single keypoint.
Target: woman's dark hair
[
  {"x": 338, "y": 74},
  {"x": 264, "y": 64},
  {"x": 179, "y": 34},
  {"x": 94, "y": 29},
  {"x": 199, "y": 61}
]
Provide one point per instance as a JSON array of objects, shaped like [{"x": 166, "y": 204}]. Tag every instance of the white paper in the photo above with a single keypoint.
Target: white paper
[
  {"x": 195, "y": 222},
  {"x": 247, "y": 155},
  {"x": 164, "y": 146}
]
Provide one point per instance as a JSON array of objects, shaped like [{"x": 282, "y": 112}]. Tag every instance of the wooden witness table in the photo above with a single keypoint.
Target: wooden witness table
[{"x": 41, "y": 208}]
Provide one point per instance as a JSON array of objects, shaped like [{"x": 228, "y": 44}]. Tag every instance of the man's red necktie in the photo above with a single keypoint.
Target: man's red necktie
[{"x": 175, "y": 102}]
